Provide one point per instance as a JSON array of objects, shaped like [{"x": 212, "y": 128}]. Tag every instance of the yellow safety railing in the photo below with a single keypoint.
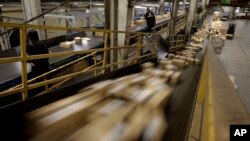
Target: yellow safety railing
[
  {"x": 177, "y": 42},
  {"x": 131, "y": 54}
]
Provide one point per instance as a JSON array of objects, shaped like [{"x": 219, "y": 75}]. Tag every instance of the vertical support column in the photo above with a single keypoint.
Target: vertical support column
[
  {"x": 67, "y": 21},
  {"x": 24, "y": 62},
  {"x": 130, "y": 12},
  {"x": 203, "y": 3},
  {"x": 117, "y": 16},
  {"x": 108, "y": 14},
  {"x": 91, "y": 15},
  {"x": 121, "y": 26},
  {"x": 196, "y": 15},
  {"x": 173, "y": 16},
  {"x": 207, "y": 2},
  {"x": 191, "y": 12},
  {"x": 130, "y": 16},
  {"x": 32, "y": 8},
  {"x": 133, "y": 17},
  {"x": 204, "y": 11},
  {"x": 184, "y": 4},
  {"x": 111, "y": 23}
]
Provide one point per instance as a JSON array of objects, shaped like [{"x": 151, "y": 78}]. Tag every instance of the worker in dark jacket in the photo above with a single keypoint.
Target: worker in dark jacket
[
  {"x": 150, "y": 19},
  {"x": 35, "y": 47}
]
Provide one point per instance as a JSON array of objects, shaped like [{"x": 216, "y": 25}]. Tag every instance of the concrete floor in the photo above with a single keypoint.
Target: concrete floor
[{"x": 235, "y": 58}]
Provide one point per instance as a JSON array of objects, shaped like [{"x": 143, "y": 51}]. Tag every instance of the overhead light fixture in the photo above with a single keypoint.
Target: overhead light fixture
[
  {"x": 1, "y": 5},
  {"x": 86, "y": 39},
  {"x": 99, "y": 4},
  {"x": 138, "y": 6}
]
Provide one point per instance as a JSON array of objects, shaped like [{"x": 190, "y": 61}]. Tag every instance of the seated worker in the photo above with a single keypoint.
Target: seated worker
[{"x": 34, "y": 47}]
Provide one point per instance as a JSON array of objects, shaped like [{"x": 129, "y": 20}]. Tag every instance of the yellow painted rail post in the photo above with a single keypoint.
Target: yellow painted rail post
[
  {"x": 138, "y": 48},
  {"x": 105, "y": 52},
  {"x": 46, "y": 85},
  {"x": 24, "y": 62},
  {"x": 95, "y": 63},
  {"x": 126, "y": 50},
  {"x": 172, "y": 41}
]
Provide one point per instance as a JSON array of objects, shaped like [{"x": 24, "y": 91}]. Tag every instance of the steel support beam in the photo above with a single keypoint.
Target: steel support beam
[
  {"x": 184, "y": 4},
  {"x": 161, "y": 7},
  {"x": 31, "y": 9},
  {"x": 110, "y": 23},
  {"x": 203, "y": 3},
  {"x": 122, "y": 25},
  {"x": 174, "y": 16},
  {"x": 116, "y": 18},
  {"x": 207, "y": 1},
  {"x": 191, "y": 15},
  {"x": 130, "y": 16}
]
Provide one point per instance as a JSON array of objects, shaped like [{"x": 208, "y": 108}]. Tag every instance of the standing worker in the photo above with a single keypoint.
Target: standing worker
[
  {"x": 150, "y": 18},
  {"x": 34, "y": 47}
]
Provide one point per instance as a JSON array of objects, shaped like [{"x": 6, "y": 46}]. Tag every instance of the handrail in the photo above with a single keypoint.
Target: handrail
[
  {"x": 39, "y": 84},
  {"x": 176, "y": 44},
  {"x": 68, "y": 28}
]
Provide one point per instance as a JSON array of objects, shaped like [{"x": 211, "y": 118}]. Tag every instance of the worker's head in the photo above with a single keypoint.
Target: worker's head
[
  {"x": 148, "y": 9},
  {"x": 32, "y": 36}
]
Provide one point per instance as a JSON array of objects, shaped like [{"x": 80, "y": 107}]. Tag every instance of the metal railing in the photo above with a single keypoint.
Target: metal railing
[
  {"x": 180, "y": 21},
  {"x": 102, "y": 65},
  {"x": 177, "y": 42}
]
